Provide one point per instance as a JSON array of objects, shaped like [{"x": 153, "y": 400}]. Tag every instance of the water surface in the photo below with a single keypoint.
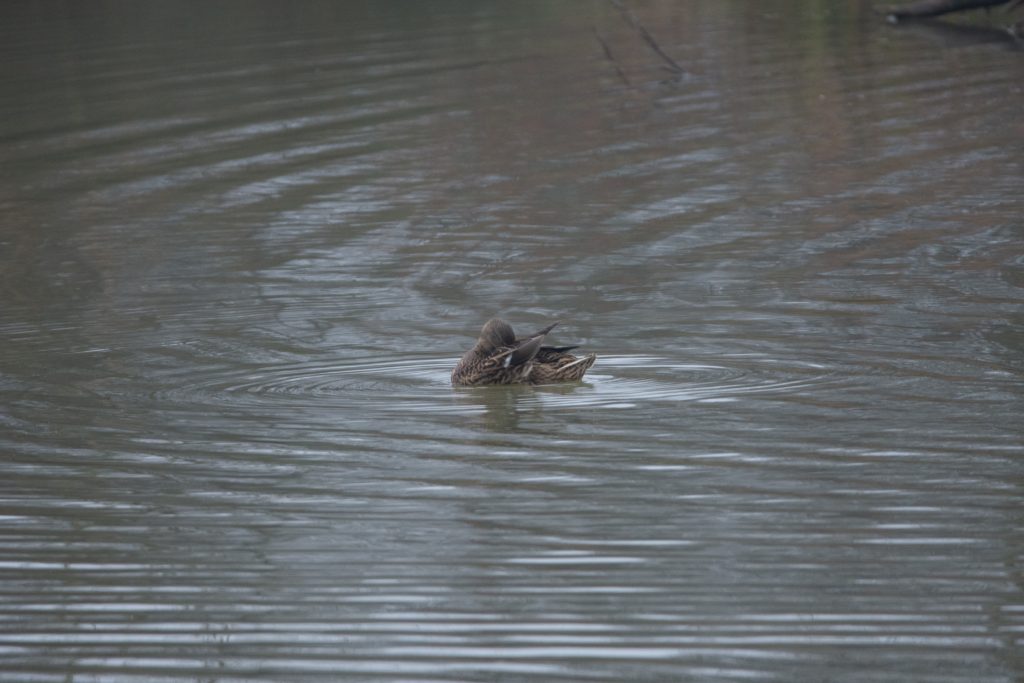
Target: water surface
[{"x": 242, "y": 245}]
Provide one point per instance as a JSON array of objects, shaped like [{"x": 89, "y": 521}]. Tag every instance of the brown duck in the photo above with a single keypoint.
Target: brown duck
[{"x": 499, "y": 358}]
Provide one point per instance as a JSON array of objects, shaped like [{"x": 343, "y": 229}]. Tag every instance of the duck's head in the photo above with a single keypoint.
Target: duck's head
[{"x": 495, "y": 334}]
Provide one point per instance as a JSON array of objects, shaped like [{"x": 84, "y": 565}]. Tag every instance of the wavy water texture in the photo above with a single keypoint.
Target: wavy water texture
[
  {"x": 421, "y": 384},
  {"x": 243, "y": 244}
]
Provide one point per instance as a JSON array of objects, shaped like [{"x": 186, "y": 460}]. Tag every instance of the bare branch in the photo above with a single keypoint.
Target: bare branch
[
  {"x": 611, "y": 58},
  {"x": 934, "y": 8},
  {"x": 673, "y": 66}
]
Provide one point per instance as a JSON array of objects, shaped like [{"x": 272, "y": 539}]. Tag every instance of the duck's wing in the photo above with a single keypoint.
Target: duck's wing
[
  {"x": 524, "y": 352},
  {"x": 541, "y": 332}
]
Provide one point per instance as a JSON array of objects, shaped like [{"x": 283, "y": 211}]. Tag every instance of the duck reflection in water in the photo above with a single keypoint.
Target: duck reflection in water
[
  {"x": 499, "y": 358},
  {"x": 511, "y": 408}
]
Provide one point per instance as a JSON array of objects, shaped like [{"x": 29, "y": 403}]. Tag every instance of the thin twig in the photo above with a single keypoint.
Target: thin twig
[
  {"x": 673, "y": 66},
  {"x": 611, "y": 58},
  {"x": 934, "y": 8}
]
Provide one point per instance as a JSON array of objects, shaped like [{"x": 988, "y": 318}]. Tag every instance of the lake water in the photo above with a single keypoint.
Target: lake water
[{"x": 243, "y": 244}]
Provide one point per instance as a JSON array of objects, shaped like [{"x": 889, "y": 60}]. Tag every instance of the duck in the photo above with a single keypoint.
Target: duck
[{"x": 498, "y": 357}]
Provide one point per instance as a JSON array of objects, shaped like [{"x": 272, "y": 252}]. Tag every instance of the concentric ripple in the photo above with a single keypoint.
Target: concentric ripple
[{"x": 421, "y": 384}]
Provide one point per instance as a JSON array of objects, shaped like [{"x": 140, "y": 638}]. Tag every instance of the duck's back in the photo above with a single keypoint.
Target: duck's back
[
  {"x": 552, "y": 365},
  {"x": 476, "y": 369}
]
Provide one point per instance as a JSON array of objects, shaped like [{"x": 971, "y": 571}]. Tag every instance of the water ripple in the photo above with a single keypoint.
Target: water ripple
[
  {"x": 230, "y": 270},
  {"x": 421, "y": 384}
]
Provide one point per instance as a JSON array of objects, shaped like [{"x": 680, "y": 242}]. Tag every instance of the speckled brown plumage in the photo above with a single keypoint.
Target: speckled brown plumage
[{"x": 499, "y": 358}]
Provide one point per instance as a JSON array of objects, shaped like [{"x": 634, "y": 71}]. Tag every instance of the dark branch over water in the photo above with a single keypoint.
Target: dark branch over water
[
  {"x": 934, "y": 8},
  {"x": 611, "y": 58},
  {"x": 671, "y": 64}
]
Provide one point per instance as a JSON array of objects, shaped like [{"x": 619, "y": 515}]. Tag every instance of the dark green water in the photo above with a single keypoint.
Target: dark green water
[{"x": 243, "y": 244}]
